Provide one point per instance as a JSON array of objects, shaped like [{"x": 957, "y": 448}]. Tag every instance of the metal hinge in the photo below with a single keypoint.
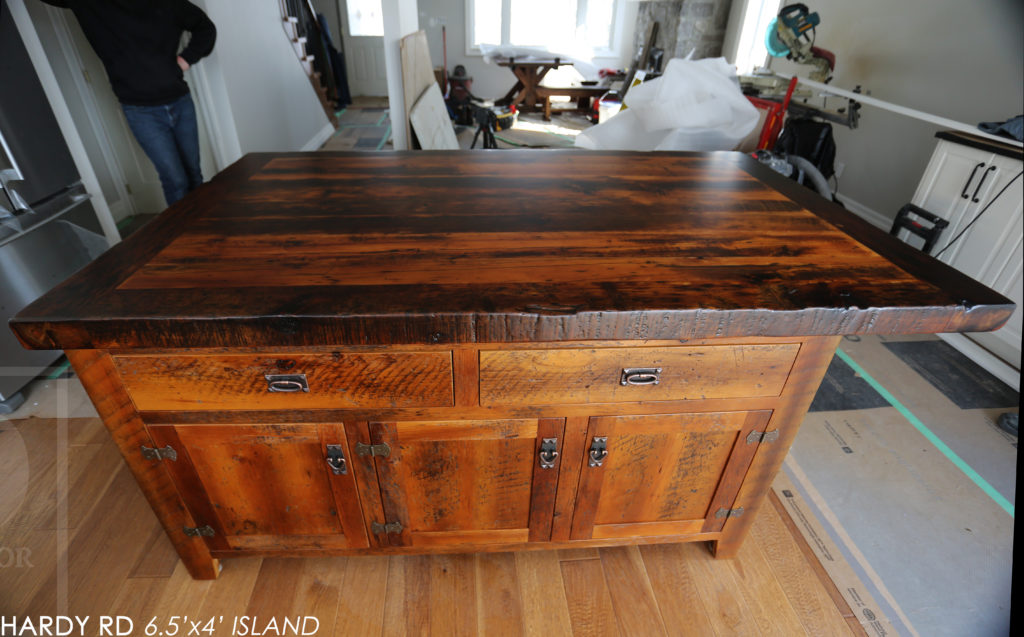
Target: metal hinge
[
  {"x": 381, "y": 450},
  {"x": 767, "y": 436},
  {"x": 198, "y": 531},
  {"x": 729, "y": 513},
  {"x": 164, "y": 453},
  {"x": 390, "y": 527}
]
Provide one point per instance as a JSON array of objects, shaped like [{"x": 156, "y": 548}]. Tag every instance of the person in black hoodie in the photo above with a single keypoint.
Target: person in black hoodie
[{"x": 138, "y": 42}]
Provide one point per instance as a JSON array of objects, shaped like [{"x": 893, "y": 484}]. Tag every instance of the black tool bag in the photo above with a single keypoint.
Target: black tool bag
[{"x": 811, "y": 140}]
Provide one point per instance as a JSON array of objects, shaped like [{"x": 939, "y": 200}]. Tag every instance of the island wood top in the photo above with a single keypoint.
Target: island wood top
[{"x": 501, "y": 246}]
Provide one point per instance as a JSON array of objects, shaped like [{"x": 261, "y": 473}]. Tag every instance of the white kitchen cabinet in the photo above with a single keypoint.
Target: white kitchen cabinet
[{"x": 965, "y": 175}]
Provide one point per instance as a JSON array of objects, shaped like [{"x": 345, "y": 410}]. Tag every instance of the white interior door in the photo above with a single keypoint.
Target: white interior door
[{"x": 363, "y": 39}]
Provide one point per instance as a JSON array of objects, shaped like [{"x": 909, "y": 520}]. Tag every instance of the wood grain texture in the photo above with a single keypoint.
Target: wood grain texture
[
  {"x": 811, "y": 364},
  {"x": 776, "y": 587},
  {"x": 225, "y": 382},
  {"x": 590, "y": 603},
  {"x": 468, "y": 482},
  {"x": 98, "y": 375},
  {"x": 294, "y": 249},
  {"x": 553, "y": 376},
  {"x": 663, "y": 474},
  {"x": 636, "y": 607}
]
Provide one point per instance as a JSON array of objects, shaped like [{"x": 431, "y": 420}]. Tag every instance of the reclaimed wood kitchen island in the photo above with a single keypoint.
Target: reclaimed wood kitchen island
[{"x": 415, "y": 352}]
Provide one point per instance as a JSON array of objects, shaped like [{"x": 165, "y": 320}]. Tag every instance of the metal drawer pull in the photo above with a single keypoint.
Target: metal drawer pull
[
  {"x": 548, "y": 453},
  {"x": 598, "y": 451},
  {"x": 640, "y": 376},
  {"x": 287, "y": 383},
  {"x": 336, "y": 460},
  {"x": 970, "y": 179},
  {"x": 974, "y": 197}
]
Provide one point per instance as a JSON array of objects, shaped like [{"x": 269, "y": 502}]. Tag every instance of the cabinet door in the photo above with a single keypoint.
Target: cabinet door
[
  {"x": 947, "y": 186},
  {"x": 266, "y": 487},
  {"x": 469, "y": 482},
  {"x": 662, "y": 475}
]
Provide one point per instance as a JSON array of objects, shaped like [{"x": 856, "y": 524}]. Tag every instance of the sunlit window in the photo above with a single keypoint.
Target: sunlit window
[
  {"x": 554, "y": 24},
  {"x": 365, "y": 18},
  {"x": 751, "y": 51}
]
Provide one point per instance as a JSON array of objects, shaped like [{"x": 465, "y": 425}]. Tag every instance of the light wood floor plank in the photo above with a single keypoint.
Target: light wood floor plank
[
  {"x": 407, "y": 607},
  {"x": 814, "y": 607},
  {"x": 633, "y": 601},
  {"x": 361, "y": 607},
  {"x": 452, "y": 595},
  {"x": 499, "y": 607},
  {"x": 767, "y": 602},
  {"x": 590, "y": 603},
  {"x": 717, "y": 590},
  {"x": 158, "y": 559},
  {"x": 673, "y": 583},
  {"x": 545, "y": 611}
]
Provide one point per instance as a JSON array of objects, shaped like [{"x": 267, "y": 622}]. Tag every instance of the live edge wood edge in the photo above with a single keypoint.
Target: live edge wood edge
[{"x": 464, "y": 355}]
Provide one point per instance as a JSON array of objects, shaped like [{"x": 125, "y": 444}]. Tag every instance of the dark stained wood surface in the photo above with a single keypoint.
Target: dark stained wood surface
[{"x": 435, "y": 247}]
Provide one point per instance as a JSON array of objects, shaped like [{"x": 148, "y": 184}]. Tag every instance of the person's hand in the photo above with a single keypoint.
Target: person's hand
[{"x": 182, "y": 63}]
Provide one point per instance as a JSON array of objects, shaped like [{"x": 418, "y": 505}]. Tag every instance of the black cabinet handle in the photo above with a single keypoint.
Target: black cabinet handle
[
  {"x": 970, "y": 179},
  {"x": 974, "y": 197}
]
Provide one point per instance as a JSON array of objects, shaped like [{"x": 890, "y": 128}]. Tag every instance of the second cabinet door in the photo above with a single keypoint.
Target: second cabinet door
[
  {"x": 468, "y": 482},
  {"x": 662, "y": 475}
]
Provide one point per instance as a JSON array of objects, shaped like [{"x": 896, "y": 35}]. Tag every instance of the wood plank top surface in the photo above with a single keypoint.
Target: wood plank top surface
[{"x": 436, "y": 247}]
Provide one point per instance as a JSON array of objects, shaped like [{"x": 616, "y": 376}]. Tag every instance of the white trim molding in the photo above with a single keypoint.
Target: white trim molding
[
  {"x": 870, "y": 215},
  {"x": 320, "y": 138},
  {"x": 988, "y": 361}
]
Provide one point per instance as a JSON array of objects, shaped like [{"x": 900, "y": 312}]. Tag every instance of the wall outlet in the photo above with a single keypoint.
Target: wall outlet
[{"x": 838, "y": 167}]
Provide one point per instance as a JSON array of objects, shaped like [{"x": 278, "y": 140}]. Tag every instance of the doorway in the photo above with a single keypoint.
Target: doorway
[{"x": 363, "y": 38}]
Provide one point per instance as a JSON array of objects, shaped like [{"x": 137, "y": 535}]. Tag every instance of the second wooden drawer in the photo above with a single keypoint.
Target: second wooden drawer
[
  {"x": 296, "y": 381},
  {"x": 576, "y": 376}
]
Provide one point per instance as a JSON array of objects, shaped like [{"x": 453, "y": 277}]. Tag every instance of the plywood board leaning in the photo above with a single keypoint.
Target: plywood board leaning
[
  {"x": 417, "y": 72},
  {"x": 429, "y": 119}
]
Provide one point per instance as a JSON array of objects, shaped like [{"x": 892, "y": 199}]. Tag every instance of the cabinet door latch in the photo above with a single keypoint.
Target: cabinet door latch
[
  {"x": 548, "y": 453},
  {"x": 729, "y": 513},
  {"x": 336, "y": 460},
  {"x": 767, "y": 436},
  {"x": 391, "y": 527},
  {"x": 382, "y": 450},
  {"x": 160, "y": 453},
  {"x": 199, "y": 531},
  {"x": 598, "y": 451}
]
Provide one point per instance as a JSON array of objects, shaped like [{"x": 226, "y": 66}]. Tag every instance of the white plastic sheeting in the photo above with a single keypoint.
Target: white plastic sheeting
[{"x": 695, "y": 105}]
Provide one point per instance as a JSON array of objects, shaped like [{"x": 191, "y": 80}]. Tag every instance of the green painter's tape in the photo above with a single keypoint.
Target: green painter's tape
[
  {"x": 60, "y": 370},
  {"x": 384, "y": 139},
  {"x": 927, "y": 433}
]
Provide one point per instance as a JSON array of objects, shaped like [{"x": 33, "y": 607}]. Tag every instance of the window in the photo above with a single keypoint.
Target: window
[
  {"x": 559, "y": 25},
  {"x": 751, "y": 51},
  {"x": 365, "y": 18}
]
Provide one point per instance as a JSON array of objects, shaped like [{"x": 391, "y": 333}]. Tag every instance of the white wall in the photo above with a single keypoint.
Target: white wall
[
  {"x": 956, "y": 59},
  {"x": 489, "y": 80},
  {"x": 254, "y": 72}
]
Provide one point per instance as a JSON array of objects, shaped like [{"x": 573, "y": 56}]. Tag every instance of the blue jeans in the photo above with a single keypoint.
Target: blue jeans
[{"x": 169, "y": 135}]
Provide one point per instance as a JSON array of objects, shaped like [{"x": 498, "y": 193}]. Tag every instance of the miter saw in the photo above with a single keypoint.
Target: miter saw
[{"x": 791, "y": 35}]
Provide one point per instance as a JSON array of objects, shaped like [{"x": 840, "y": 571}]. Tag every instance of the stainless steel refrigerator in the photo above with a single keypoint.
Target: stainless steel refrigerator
[{"x": 48, "y": 228}]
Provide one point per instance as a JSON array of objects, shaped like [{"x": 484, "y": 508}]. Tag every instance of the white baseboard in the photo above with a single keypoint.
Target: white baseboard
[
  {"x": 320, "y": 138},
  {"x": 981, "y": 356},
  {"x": 870, "y": 215}
]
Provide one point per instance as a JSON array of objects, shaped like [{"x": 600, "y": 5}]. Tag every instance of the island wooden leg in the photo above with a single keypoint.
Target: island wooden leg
[
  {"x": 96, "y": 371},
  {"x": 803, "y": 382}
]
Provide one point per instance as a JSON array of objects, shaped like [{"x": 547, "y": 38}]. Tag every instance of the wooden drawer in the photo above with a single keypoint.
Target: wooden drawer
[
  {"x": 579, "y": 376},
  {"x": 337, "y": 380}
]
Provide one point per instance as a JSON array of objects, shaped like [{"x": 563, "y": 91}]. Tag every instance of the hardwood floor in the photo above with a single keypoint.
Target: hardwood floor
[{"x": 119, "y": 562}]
